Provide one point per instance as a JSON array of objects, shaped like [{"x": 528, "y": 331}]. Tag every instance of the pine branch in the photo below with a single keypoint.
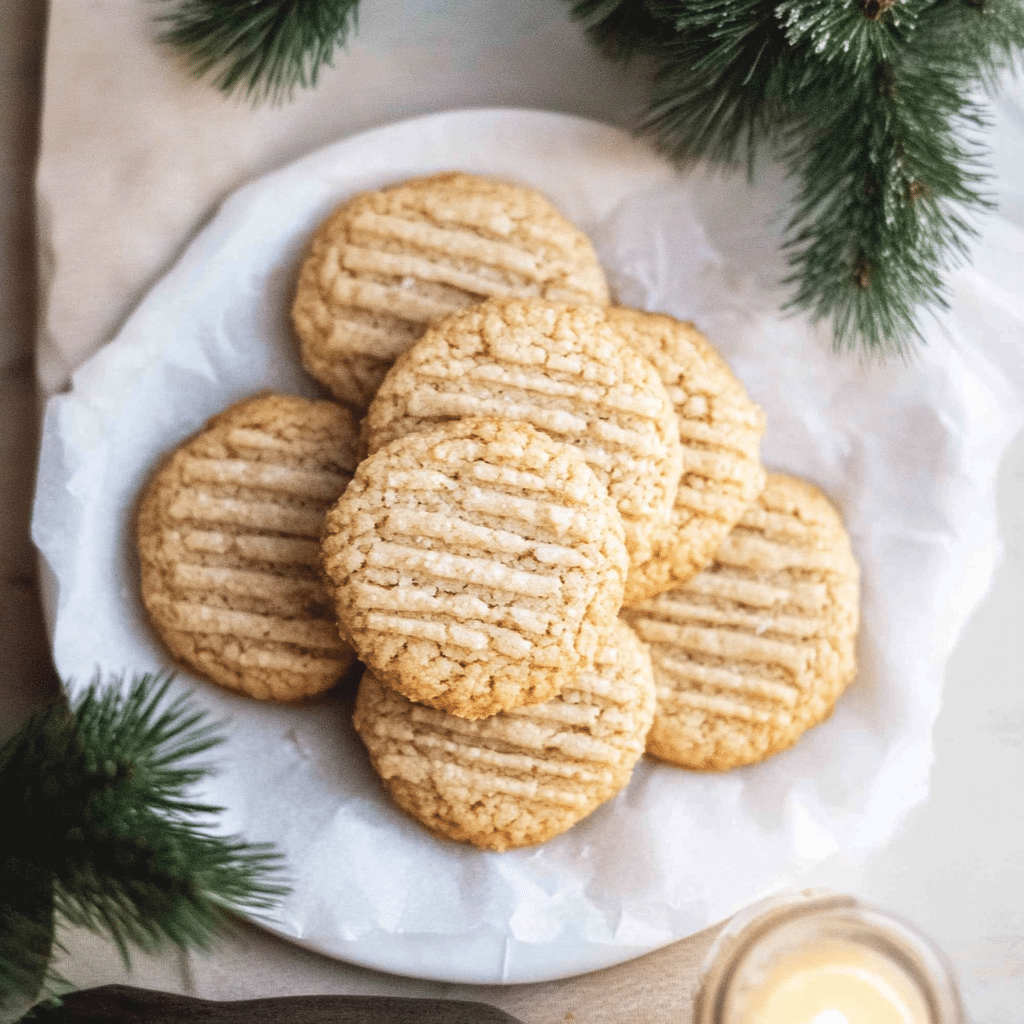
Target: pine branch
[
  {"x": 623, "y": 29},
  {"x": 869, "y": 102},
  {"x": 891, "y": 176},
  {"x": 262, "y": 49},
  {"x": 723, "y": 84},
  {"x": 26, "y": 932},
  {"x": 99, "y": 830}
]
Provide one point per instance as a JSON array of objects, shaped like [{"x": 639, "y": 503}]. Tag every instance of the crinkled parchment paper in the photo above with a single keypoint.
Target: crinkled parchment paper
[{"x": 908, "y": 452}]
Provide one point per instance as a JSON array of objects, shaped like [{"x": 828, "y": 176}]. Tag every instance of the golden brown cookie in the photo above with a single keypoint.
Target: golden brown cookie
[
  {"x": 560, "y": 368},
  {"x": 228, "y": 537},
  {"x": 388, "y": 262},
  {"x": 523, "y": 776},
  {"x": 476, "y": 566},
  {"x": 758, "y": 647},
  {"x": 720, "y": 432}
]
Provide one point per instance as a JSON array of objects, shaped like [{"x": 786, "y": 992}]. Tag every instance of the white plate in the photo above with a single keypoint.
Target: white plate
[{"x": 909, "y": 453}]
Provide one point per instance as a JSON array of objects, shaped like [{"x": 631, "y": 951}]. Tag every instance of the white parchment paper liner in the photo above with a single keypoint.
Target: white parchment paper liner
[{"x": 909, "y": 453}]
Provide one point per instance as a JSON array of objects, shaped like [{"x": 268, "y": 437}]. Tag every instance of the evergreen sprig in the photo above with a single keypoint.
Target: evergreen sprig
[
  {"x": 99, "y": 831},
  {"x": 891, "y": 171},
  {"x": 623, "y": 28},
  {"x": 870, "y": 103},
  {"x": 261, "y": 49}
]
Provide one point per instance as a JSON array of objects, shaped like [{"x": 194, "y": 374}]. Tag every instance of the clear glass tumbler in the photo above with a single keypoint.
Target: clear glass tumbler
[{"x": 824, "y": 958}]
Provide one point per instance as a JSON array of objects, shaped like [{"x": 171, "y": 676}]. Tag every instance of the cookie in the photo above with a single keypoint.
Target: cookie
[
  {"x": 720, "y": 432},
  {"x": 476, "y": 566},
  {"x": 758, "y": 647},
  {"x": 228, "y": 537},
  {"x": 523, "y": 776},
  {"x": 387, "y": 263},
  {"x": 560, "y": 368}
]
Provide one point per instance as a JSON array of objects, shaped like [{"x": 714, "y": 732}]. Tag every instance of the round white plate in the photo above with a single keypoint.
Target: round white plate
[{"x": 907, "y": 452}]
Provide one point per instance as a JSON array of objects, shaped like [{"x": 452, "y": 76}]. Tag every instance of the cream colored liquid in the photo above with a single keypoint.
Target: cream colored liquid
[{"x": 833, "y": 982}]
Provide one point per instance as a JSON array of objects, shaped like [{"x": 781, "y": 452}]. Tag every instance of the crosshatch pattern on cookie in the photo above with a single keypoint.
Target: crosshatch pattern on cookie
[
  {"x": 387, "y": 263},
  {"x": 522, "y": 776},
  {"x": 228, "y": 538},
  {"x": 559, "y": 368},
  {"x": 476, "y": 566},
  {"x": 720, "y": 431},
  {"x": 757, "y": 647}
]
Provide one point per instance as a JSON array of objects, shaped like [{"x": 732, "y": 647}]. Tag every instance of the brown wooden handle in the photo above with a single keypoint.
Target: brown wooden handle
[{"x": 122, "y": 1004}]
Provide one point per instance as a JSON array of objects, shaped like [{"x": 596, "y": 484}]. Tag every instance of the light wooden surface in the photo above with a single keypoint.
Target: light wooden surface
[{"x": 957, "y": 867}]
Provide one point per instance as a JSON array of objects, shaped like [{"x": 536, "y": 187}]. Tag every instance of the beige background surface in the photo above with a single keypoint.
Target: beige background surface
[{"x": 135, "y": 157}]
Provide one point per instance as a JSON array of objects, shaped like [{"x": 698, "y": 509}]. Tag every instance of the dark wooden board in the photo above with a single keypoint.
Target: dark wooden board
[{"x": 122, "y": 1004}]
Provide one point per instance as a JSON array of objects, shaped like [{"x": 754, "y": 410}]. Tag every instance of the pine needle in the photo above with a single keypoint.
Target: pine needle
[
  {"x": 869, "y": 102},
  {"x": 892, "y": 175},
  {"x": 622, "y": 28},
  {"x": 721, "y": 87},
  {"x": 100, "y": 831},
  {"x": 261, "y": 49}
]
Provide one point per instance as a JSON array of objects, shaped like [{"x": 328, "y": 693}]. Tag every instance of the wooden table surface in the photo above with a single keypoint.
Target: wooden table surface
[{"x": 956, "y": 869}]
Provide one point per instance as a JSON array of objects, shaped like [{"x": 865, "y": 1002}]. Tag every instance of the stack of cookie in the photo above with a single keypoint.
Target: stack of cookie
[{"x": 550, "y": 540}]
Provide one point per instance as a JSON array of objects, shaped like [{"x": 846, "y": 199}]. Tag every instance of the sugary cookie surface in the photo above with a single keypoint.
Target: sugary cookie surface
[
  {"x": 756, "y": 648},
  {"x": 561, "y": 369},
  {"x": 477, "y": 566},
  {"x": 523, "y": 776},
  {"x": 388, "y": 262},
  {"x": 720, "y": 432},
  {"x": 228, "y": 536}
]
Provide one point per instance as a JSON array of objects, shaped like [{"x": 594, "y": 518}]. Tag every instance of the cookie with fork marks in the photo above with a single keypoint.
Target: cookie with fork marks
[
  {"x": 477, "y": 566},
  {"x": 523, "y": 776},
  {"x": 758, "y": 647},
  {"x": 560, "y": 368},
  {"x": 388, "y": 262},
  {"x": 228, "y": 533}
]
